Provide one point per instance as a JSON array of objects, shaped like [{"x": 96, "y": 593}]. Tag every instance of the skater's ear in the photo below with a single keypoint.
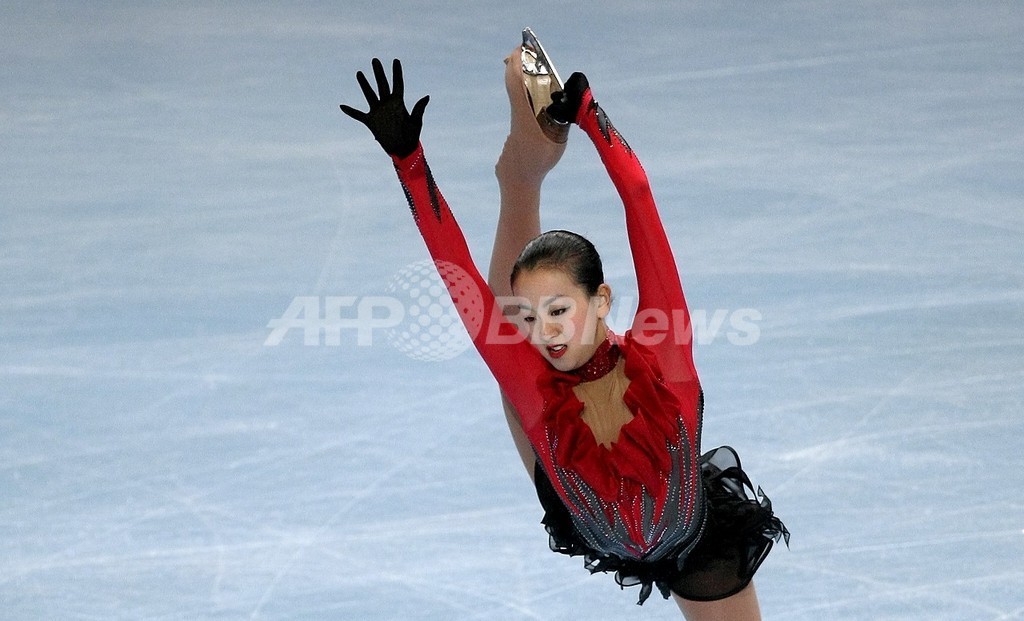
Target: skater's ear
[{"x": 602, "y": 300}]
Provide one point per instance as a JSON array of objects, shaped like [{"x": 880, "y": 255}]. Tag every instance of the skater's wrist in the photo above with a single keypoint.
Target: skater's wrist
[{"x": 408, "y": 163}]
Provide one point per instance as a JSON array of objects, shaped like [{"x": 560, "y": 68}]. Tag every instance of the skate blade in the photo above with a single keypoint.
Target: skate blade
[
  {"x": 541, "y": 80},
  {"x": 536, "y": 61}
]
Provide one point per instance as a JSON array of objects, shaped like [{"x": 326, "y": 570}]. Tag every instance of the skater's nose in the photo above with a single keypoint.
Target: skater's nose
[{"x": 550, "y": 328}]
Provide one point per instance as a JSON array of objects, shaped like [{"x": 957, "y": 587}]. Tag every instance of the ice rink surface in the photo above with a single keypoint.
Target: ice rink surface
[{"x": 844, "y": 188}]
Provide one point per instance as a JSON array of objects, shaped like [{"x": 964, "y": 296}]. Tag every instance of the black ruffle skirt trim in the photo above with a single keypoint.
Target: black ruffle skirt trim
[{"x": 740, "y": 531}]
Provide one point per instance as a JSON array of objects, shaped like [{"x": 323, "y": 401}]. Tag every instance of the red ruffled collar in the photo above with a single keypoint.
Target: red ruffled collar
[{"x": 639, "y": 455}]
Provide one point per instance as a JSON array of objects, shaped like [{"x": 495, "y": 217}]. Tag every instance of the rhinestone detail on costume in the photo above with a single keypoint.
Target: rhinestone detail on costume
[
  {"x": 606, "y": 525},
  {"x": 601, "y": 363}
]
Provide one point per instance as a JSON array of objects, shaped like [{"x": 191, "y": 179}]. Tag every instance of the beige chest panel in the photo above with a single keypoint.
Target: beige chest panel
[{"x": 603, "y": 409}]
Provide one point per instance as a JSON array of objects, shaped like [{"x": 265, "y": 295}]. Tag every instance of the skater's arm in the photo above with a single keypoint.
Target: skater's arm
[
  {"x": 662, "y": 321},
  {"x": 514, "y": 363}
]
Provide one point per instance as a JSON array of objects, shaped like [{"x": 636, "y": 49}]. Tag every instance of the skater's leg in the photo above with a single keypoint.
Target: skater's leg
[
  {"x": 742, "y": 606},
  {"x": 527, "y": 157}
]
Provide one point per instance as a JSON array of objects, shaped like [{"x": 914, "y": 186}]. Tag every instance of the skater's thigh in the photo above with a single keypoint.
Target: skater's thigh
[{"x": 742, "y": 606}]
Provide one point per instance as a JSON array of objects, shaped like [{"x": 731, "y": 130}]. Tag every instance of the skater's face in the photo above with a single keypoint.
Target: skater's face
[{"x": 559, "y": 317}]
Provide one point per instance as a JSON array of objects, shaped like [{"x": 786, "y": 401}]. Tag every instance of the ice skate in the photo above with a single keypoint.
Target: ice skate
[{"x": 541, "y": 80}]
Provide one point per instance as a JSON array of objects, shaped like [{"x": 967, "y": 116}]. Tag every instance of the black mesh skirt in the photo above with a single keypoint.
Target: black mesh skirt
[{"x": 739, "y": 533}]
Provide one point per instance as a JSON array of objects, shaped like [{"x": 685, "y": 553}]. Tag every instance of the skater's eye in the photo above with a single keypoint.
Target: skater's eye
[
  {"x": 529, "y": 319},
  {"x": 555, "y": 312}
]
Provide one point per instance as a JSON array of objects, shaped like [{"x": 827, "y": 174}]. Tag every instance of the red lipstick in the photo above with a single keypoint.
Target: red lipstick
[{"x": 557, "y": 351}]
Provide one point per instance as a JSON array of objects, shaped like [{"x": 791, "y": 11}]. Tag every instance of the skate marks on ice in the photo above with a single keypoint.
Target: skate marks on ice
[
  {"x": 856, "y": 57},
  {"x": 168, "y": 477}
]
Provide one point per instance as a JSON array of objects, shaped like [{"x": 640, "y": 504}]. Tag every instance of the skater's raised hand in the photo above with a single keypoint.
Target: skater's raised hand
[
  {"x": 393, "y": 126},
  {"x": 565, "y": 105}
]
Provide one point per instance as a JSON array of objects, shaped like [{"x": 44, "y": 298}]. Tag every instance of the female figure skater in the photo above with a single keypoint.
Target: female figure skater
[{"x": 608, "y": 425}]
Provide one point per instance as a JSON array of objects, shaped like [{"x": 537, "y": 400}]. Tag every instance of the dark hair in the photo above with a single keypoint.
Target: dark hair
[{"x": 563, "y": 250}]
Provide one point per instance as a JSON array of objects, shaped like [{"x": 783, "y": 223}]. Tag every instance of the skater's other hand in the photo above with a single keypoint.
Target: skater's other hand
[
  {"x": 565, "y": 105},
  {"x": 393, "y": 126}
]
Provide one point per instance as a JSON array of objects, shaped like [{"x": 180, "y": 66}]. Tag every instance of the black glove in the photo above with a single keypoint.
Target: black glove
[
  {"x": 397, "y": 131},
  {"x": 565, "y": 104}
]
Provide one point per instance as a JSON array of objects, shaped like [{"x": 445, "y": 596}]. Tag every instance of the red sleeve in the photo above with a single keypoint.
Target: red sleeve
[
  {"x": 515, "y": 364},
  {"x": 662, "y": 321}
]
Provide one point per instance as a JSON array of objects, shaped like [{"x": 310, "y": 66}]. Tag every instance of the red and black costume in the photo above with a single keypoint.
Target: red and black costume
[{"x": 641, "y": 505}]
